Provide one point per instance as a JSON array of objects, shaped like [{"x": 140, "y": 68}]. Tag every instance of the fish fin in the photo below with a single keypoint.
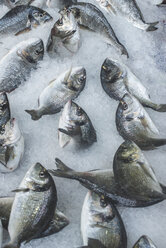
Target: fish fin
[
  {"x": 158, "y": 142},
  {"x": 67, "y": 132},
  {"x": 61, "y": 166},
  {"x": 148, "y": 171},
  {"x": 152, "y": 26},
  {"x": 161, "y": 108},
  {"x": 163, "y": 188},
  {"x": 34, "y": 114},
  {"x": 25, "y": 30},
  {"x": 20, "y": 190}
]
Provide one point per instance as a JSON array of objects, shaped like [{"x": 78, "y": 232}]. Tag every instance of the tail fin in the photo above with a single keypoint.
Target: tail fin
[
  {"x": 154, "y": 106},
  {"x": 161, "y": 108},
  {"x": 152, "y": 26},
  {"x": 34, "y": 114},
  {"x": 125, "y": 52},
  {"x": 63, "y": 170},
  {"x": 158, "y": 142}
]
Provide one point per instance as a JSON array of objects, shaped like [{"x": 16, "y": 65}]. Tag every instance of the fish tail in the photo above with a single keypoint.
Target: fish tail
[
  {"x": 161, "y": 108},
  {"x": 34, "y": 114},
  {"x": 63, "y": 171},
  {"x": 157, "y": 107},
  {"x": 124, "y": 51},
  {"x": 158, "y": 142},
  {"x": 152, "y": 26}
]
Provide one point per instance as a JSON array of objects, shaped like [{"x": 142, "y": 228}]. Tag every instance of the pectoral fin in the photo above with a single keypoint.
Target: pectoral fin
[{"x": 25, "y": 30}]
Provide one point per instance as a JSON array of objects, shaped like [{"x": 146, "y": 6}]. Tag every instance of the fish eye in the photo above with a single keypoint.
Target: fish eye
[
  {"x": 41, "y": 15},
  {"x": 103, "y": 203},
  {"x": 37, "y": 52},
  {"x": 125, "y": 106},
  {"x": 42, "y": 174},
  {"x": 79, "y": 112},
  {"x": 60, "y": 22}
]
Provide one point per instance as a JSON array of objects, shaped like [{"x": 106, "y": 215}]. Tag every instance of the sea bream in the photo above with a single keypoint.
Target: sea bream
[
  {"x": 90, "y": 17},
  {"x": 17, "y": 64},
  {"x": 134, "y": 123},
  {"x": 59, "y": 91},
  {"x": 117, "y": 80},
  {"x": 22, "y": 19},
  {"x": 130, "y": 10},
  {"x": 66, "y": 31},
  {"x": 75, "y": 124},
  {"x": 100, "y": 221}
]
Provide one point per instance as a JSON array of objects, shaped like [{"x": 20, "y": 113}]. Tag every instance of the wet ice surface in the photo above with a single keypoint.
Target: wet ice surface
[{"x": 148, "y": 61}]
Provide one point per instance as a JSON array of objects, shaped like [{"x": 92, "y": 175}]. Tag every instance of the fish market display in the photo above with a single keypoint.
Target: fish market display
[
  {"x": 33, "y": 207},
  {"x": 16, "y": 66},
  {"x": 59, "y": 91},
  {"x": 4, "y": 111},
  {"x": 134, "y": 123},
  {"x": 117, "y": 80},
  {"x": 89, "y": 16},
  {"x": 144, "y": 242},
  {"x": 67, "y": 31},
  {"x": 101, "y": 221},
  {"x": 11, "y": 147},
  {"x": 74, "y": 123},
  {"x": 130, "y": 11}
]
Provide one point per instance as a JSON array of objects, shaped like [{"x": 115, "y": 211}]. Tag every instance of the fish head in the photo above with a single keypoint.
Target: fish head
[
  {"x": 144, "y": 242},
  {"x": 129, "y": 105},
  {"x": 112, "y": 71},
  {"x": 38, "y": 177},
  {"x": 76, "y": 79},
  {"x": 75, "y": 114},
  {"x": 32, "y": 50},
  {"x": 39, "y": 16},
  {"x": 128, "y": 152}
]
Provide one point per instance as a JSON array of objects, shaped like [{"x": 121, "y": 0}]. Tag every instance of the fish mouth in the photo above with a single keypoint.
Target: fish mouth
[{"x": 48, "y": 18}]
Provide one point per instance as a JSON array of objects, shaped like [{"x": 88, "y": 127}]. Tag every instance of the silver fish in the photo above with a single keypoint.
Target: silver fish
[
  {"x": 130, "y": 10},
  {"x": 101, "y": 221},
  {"x": 103, "y": 183},
  {"x": 66, "y": 87},
  {"x": 67, "y": 31},
  {"x": 90, "y": 17},
  {"x": 11, "y": 147},
  {"x": 17, "y": 65},
  {"x": 134, "y": 123},
  {"x": 33, "y": 207},
  {"x": 117, "y": 80},
  {"x": 144, "y": 242},
  {"x": 4, "y": 111},
  {"x": 75, "y": 123},
  {"x": 22, "y": 19},
  {"x": 134, "y": 175}
]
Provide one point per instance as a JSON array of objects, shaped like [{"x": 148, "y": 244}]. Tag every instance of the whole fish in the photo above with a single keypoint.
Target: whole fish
[
  {"x": 58, "y": 222},
  {"x": 67, "y": 31},
  {"x": 4, "y": 111},
  {"x": 103, "y": 183},
  {"x": 144, "y": 242},
  {"x": 17, "y": 65},
  {"x": 59, "y": 91},
  {"x": 11, "y": 147},
  {"x": 90, "y": 17},
  {"x": 75, "y": 123},
  {"x": 22, "y": 19},
  {"x": 134, "y": 175},
  {"x": 33, "y": 207},
  {"x": 101, "y": 221},
  {"x": 130, "y": 11},
  {"x": 134, "y": 123},
  {"x": 118, "y": 80}
]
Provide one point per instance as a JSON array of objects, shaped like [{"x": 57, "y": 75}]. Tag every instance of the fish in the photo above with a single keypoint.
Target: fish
[
  {"x": 101, "y": 221},
  {"x": 67, "y": 31},
  {"x": 75, "y": 124},
  {"x": 59, "y": 91},
  {"x": 103, "y": 183},
  {"x": 144, "y": 242},
  {"x": 11, "y": 147},
  {"x": 133, "y": 123},
  {"x": 90, "y": 17},
  {"x": 16, "y": 66},
  {"x": 22, "y": 19},
  {"x": 5, "y": 115},
  {"x": 117, "y": 80},
  {"x": 58, "y": 222},
  {"x": 134, "y": 175},
  {"x": 33, "y": 207},
  {"x": 130, "y": 11}
]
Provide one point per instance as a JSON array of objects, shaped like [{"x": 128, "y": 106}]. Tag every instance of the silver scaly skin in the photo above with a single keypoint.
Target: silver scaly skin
[
  {"x": 17, "y": 64},
  {"x": 90, "y": 17},
  {"x": 117, "y": 80},
  {"x": 75, "y": 124},
  {"x": 134, "y": 123},
  {"x": 33, "y": 207},
  {"x": 66, "y": 87},
  {"x": 101, "y": 221},
  {"x": 130, "y": 10},
  {"x": 144, "y": 242},
  {"x": 4, "y": 111}
]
